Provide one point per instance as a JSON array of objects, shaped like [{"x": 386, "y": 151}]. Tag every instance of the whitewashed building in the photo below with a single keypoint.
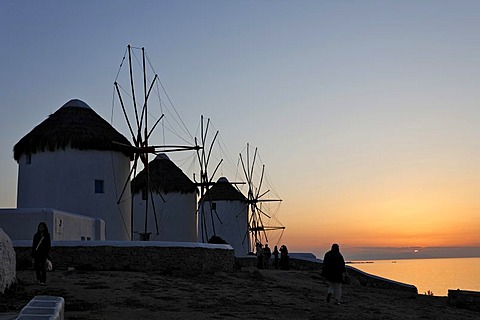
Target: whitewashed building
[
  {"x": 76, "y": 162},
  {"x": 223, "y": 212},
  {"x": 21, "y": 224},
  {"x": 174, "y": 198}
]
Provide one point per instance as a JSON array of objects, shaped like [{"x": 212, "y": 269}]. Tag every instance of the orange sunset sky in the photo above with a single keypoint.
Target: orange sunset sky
[{"x": 366, "y": 113}]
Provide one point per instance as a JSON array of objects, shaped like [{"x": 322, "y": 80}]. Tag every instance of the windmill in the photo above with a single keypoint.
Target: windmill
[
  {"x": 205, "y": 180},
  {"x": 259, "y": 217},
  {"x": 135, "y": 110},
  {"x": 242, "y": 219},
  {"x": 208, "y": 216}
]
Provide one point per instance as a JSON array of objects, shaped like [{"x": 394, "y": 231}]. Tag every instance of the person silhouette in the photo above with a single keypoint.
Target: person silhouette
[
  {"x": 259, "y": 252},
  {"x": 284, "y": 259},
  {"x": 41, "y": 252},
  {"x": 275, "y": 253},
  {"x": 266, "y": 256},
  {"x": 334, "y": 271}
]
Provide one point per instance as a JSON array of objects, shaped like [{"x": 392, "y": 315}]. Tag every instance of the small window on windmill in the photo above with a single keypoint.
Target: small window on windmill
[
  {"x": 144, "y": 194},
  {"x": 28, "y": 159},
  {"x": 99, "y": 186},
  {"x": 58, "y": 225}
]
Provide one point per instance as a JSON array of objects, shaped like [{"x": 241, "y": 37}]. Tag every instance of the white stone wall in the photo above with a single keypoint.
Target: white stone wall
[
  {"x": 7, "y": 262},
  {"x": 21, "y": 224}
]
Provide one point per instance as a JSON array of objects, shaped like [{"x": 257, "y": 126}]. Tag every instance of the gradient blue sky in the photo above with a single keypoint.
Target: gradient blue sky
[{"x": 366, "y": 113}]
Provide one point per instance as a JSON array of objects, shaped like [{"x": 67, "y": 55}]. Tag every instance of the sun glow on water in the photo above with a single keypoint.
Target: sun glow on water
[{"x": 434, "y": 275}]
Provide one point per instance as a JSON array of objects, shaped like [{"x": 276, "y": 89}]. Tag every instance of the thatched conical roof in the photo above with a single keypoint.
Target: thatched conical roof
[
  {"x": 164, "y": 176},
  {"x": 76, "y": 125},
  {"x": 223, "y": 190}
]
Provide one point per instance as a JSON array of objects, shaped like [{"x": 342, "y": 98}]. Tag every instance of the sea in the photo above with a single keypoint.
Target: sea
[{"x": 430, "y": 276}]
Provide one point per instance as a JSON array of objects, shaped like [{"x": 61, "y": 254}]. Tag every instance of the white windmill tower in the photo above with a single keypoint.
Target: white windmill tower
[
  {"x": 69, "y": 162},
  {"x": 227, "y": 208},
  {"x": 174, "y": 197}
]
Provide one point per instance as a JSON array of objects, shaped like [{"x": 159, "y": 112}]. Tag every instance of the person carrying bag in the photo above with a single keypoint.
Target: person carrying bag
[{"x": 41, "y": 253}]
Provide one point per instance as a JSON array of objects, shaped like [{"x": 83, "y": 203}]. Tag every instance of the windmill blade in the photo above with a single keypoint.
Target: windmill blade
[
  {"x": 250, "y": 228},
  {"x": 253, "y": 164},
  {"x": 145, "y": 97},
  {"x": 262, "y": 227},
  {"x": 212, "y": 211},
  {"x": 248, "y": 223},
  {"x": 215, "y": 171},
  {"x": 211, "y": 147},
  {"x": 268, "y": 228},
  {"x": 269, "y": 200},
  {"x": 157, "y": 189},
  {"x": 131, "y": 201},
  {"x": 259, "y": 196},
  {"x": 155, "y": 125},
  {"x": 261, "y": 180},
  {"x": 125, "y": 113},
  {"x": 216, "y": 214},
  {"x": 144, "y": 108},
  {"x": 132, "y": 85},
  {"x": 205, "y": 132},
  {"x": 147, "y": 189},
  {"x": 245, "y": 172},
  {"x": 200, "y": 162},
  {"x": 151, "y": 190},
  {"x": 172, "y": 148},
  {"x": 203, "y": 223},
  {"x": 263, "y": 212},
  {"x": 154, "y": 211},
  {"x": 144, "y": 158},
  {"x": 204, "y": 137},
  {"x": 152, "y": 148},
  {"x": 213, "y": 222},
  {"x": 128, "y": 179},
  {"x": 249, "y": 173}
]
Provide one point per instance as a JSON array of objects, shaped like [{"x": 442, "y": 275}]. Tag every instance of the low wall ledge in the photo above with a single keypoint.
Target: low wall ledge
[{"x": 109, "y": 243}]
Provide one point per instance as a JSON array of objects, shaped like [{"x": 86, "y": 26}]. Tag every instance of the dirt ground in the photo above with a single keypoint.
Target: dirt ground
[{"x": 244, "y": 294}]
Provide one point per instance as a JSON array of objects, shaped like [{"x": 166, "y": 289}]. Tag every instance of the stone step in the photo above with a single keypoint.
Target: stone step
[{"x": 43, "y": 308}]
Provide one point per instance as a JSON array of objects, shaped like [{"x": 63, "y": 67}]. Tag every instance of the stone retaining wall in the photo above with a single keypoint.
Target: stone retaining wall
[
  {"x": 464, "y": 299},
  {"x": 355, "y": 275},
  {"x": 135, "y": 256},
  {"x": 173, "y": 258}
]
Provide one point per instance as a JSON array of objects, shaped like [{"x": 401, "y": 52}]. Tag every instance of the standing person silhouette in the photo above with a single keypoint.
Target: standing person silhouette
[
  {"x": 334, "y": 271},
  {"x": 259, "y": 249},
  {"x": 41, "y": 251},
  {"x": 284, "y": 259},
  {"x": 267, "y": 253},
  {"x": 276, "y": 253}
]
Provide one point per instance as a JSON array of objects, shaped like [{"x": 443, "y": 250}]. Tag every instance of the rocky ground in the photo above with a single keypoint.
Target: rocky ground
[{"x": 244, "y": 294}]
